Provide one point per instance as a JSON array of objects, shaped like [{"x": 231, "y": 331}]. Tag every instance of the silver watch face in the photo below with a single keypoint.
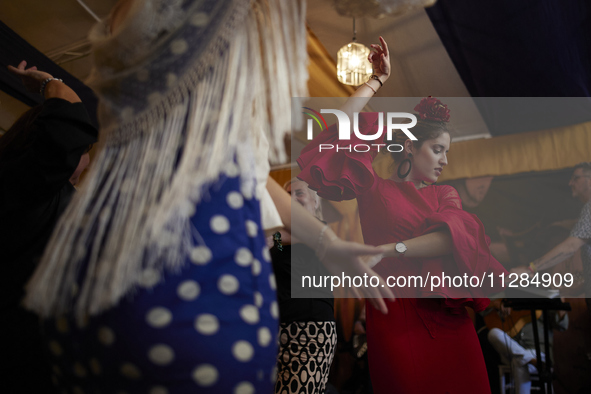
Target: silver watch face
[{"x": 400, "y": 247}]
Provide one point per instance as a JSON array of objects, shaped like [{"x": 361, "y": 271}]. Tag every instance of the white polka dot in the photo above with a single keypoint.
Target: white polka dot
[
  {"x": 149, "y": 277},
  {"x": 219, "y": 224},
  {"x": 205, "y": 375},
  {"x": 242, "y": 351},
  {"x": 244, "y": 388},
  {"x": 61, "y": 324},
  {"x": 252, "y": 229},
  {"x": 250, "y": 314},
  {"x": 246, "y": 190},
  {"x": 258, "y": 193},
  {"x": 258, "y": 299},
  {"x": 158, "y": 390},
  {"x": 106, "y": 336},
  {"x": 272, "y": 282},
  {"x": 79, "y": 370},
  {"x": 256, "y": 267},
  {"x": 188, "y": 290},
  {"x": 171, "y": 80},
  {"x": 201, "y": 255},
  {"x": 200, "y": 19},
  {"x": 187, "y": 209},
  {"x": 158, "y": 317},
  {"x": 95, "y": 366},
  {"x": 232, "y": 170},
  {"x": 266, "y": 254},
  {"x": 264, "y": 336},
  {"x": 161, "y": 354},
  {"x": 154, "y": 98},
  {"x": 207, "y": 324},
  {"x": 143, "y": 75},
  {"x": 178, "y": 47},
  {"x": 260, "y": 375},
  {"x": 235, "y": 200},
  {"x": 243, "y": 257},
  {"x": 275, "y": 310},
  {"x": 130, "y": 371},
  {"x": 228, "y": 284}
]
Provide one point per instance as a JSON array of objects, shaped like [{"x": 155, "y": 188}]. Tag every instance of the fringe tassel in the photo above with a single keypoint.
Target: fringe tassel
[{"x": 135, "y": 208}]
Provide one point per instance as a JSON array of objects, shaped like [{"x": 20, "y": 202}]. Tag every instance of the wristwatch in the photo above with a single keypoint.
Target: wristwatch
[{"x": 401, "y": 248}]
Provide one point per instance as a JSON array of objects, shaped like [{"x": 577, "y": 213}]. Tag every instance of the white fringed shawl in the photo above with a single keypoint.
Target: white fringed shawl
[{"x": 185, "y": 88}]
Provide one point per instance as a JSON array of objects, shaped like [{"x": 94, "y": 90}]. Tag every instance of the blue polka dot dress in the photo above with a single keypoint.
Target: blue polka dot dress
[{"x": 210, "y": 328}]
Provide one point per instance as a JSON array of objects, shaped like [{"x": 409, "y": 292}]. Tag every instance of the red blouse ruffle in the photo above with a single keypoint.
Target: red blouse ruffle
[
  {"x": 471, "y": 253},
  {"x": 343, "y": 175}
]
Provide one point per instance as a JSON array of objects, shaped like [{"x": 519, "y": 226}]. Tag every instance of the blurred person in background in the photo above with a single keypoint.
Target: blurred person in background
[{"x": 41, "y": 159}]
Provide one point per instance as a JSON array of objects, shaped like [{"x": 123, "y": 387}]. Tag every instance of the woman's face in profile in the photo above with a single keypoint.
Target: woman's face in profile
[{"x": 428, "y": 161}]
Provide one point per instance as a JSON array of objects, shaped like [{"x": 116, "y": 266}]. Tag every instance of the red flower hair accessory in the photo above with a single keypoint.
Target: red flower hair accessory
[{"x": 431, "y": 108}]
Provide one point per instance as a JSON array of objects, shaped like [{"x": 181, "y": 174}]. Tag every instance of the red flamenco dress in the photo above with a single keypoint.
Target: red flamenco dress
[{"x": 423, "y": 345}]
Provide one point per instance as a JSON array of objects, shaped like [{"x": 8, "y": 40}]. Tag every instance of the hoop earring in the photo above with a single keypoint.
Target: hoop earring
[{"x": 402, "y": 176}]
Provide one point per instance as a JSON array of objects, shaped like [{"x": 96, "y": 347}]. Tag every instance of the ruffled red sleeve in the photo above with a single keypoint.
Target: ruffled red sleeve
[
  {"x": 343, "y": 174},
  {"x": 471, "y": 253}
]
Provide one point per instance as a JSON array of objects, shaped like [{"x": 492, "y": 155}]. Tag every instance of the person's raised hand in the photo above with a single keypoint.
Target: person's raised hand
[
  {"x": 343, "y": 257},
  {"x": 379, "y": 57},
  {"x": 31, "y": 77}
]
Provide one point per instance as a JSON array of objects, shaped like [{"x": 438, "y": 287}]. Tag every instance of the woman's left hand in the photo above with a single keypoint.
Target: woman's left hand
[
  {"x": 380, "y": 59},
  {"x": 344, "y": 258}
]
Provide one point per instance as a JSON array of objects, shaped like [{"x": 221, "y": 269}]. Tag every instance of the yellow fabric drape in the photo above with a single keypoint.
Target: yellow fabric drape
[
  {"x": 282, "y": 176},
  {"x": 322, "y": 68},
  {"x": 544, "y": 150}
]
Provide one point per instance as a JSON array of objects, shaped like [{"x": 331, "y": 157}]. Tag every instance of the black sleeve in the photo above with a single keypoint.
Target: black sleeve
[{"x": 61, "y": 134}]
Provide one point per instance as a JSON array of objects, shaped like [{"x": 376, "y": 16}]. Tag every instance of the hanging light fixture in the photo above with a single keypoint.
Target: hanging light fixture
[{"x": 352, "y": 65}]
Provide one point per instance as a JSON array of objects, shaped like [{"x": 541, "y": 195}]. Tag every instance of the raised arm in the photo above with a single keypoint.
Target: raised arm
[
  {"x": 557, "y": 255},
  {"x": 580, "y": 234},
  {"x": 33, "y": 80},
  {"x": 379, "y": 57},
  {"x": 338, "y": 256}
]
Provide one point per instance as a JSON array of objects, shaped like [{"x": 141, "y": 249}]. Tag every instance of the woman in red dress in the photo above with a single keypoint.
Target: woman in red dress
[{"x": 427, "y": 342}]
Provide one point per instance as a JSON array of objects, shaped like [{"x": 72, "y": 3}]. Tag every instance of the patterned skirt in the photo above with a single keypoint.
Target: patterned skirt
[
  {"x": 209, "y": 328},
  {"x": 306, "y": 351}
]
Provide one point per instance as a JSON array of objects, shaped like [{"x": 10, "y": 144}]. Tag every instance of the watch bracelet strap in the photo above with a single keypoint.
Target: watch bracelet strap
[
  {"x": 373, "y": 76},
  {"x": 45, "y": 82}
]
